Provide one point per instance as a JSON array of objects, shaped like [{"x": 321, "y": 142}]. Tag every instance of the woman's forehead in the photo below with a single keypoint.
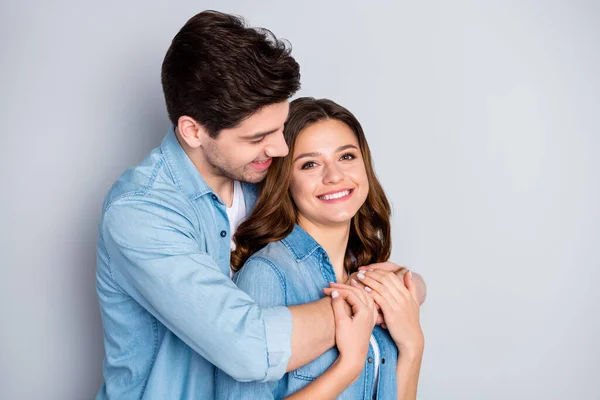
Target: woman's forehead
[{"x": 325, "y": 135}]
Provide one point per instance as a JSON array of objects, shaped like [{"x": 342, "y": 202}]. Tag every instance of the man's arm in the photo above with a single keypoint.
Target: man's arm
[
  {"x": 420, "y": 286},
  {"x": 264, "y": 283},
  {"x": 313, "y": 332},
  {"x": 153, "y": 256}
]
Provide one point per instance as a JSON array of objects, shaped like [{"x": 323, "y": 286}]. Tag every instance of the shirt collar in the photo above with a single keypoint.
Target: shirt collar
[
  {"x": 184, "y": 172},
  {"x": 250, "y": 196},
  {"x": 300, "y": 243}
]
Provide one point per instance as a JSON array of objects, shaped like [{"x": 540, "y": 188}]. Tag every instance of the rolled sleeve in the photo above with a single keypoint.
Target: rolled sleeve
[
  {"x": 278, "y": 332},
  {"x": 260, "y": 279}
]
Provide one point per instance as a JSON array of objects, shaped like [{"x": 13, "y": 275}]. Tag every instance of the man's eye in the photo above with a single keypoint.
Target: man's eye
[
  {"x": 309, "y": 165},
  {"x": 258, "y": 141}
]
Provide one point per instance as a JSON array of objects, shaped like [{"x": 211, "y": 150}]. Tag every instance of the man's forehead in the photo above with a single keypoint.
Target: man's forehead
[{"x": 269, "y": 119}]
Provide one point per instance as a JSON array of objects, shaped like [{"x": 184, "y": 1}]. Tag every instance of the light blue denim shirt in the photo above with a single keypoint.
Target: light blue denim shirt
[
  {"x": 294, "y": 271},
  {"x": 169, "y": 308}
]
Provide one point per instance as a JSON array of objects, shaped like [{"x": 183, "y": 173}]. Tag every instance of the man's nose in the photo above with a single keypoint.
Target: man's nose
[{"x": 277, "y": 147}]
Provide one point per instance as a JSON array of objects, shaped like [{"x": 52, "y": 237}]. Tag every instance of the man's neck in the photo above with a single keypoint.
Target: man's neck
[
  {"x": 221, "y": 185},
  {"x": 333, "y": 239}
]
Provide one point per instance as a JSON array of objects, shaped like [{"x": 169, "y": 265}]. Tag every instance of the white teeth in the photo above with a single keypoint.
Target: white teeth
[{"x": 335, "y": 195}]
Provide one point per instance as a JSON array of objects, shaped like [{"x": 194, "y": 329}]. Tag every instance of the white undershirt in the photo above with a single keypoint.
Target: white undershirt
[
  {"x": 376, "y": 356},
  {"x": 236, "y": 213}
]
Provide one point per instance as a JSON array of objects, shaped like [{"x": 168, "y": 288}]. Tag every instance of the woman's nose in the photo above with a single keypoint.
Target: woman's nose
[{"x": 333, "y": 174}]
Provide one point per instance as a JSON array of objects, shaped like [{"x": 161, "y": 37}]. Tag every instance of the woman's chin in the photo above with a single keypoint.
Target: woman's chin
[{"x": 337, "y": 220}]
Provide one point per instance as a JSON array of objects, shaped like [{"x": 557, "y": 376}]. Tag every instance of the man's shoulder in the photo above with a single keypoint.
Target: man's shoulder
[{"x": 149, "y": 181}]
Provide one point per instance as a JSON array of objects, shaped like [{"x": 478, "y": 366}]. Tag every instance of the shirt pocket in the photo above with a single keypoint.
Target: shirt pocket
[{"x": 316, "y": 368}]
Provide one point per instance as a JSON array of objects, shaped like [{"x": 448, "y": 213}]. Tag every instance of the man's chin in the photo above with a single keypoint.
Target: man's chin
[
  {"x": 248, "y": 176},
  {"x": 254, "y": 178}
]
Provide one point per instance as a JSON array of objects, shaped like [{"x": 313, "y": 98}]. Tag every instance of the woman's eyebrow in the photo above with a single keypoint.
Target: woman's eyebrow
[
  {"x": 345, "y": 147},
  {"x": 304, "y": 155},
  {"x": 316, "y": 153}
]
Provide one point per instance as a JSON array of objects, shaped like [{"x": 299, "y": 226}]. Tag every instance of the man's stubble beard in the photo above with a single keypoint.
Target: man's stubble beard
[{"x": 221, "y": 168}]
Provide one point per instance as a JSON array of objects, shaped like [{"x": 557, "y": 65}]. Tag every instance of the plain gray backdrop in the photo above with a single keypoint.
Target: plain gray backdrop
[{"x": 484, "y": 121}]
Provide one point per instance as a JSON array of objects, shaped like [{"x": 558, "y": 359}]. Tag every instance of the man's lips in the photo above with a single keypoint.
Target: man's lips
[{"x": 262, "y": 165}]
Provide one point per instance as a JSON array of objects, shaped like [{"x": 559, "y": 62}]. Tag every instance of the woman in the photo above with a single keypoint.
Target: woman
[{"x": 321, "y": 214}]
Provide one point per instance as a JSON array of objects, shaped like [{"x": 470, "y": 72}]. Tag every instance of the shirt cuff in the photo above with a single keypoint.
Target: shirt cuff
[{"x": 278, "y": 332}]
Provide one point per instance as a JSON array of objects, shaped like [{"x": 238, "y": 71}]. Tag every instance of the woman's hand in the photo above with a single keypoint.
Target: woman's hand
[
  {"x": 352, "y": 332},
  {"x": 417, "y": 279},
  {"x": 397, "y": 299},
  {"x": 353, "y": 329}
]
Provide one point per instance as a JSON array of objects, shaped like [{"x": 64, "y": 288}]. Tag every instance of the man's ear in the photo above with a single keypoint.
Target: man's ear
[{"x": 192, "y": 133}]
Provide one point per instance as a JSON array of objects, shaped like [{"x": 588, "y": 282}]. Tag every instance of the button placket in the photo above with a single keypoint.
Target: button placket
[{"x": 328, "y": 268}]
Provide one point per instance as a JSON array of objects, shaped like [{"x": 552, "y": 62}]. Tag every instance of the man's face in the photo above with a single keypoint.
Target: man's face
[{"x": 244, "y": 153}]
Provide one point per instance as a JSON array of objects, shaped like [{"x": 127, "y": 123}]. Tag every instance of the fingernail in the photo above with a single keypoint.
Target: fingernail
[
  {"x": 334, "y": 294},
  {"x": 409, "y": 274},
  {"x": 368, "y": 289},
  {"x": 354, "y": 281},
  {"x": 361, "y": 275},
  {"x": 371, "y": 269}
]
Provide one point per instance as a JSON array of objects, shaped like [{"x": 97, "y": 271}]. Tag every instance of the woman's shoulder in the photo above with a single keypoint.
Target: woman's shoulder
[
  {"x": 275, "y": 253},
  {"x": 270, "y": 260}
]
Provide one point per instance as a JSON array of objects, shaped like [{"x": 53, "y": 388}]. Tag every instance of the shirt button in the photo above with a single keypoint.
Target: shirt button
[
  {"x": 370, "y": 359},
  {"x": 383, "y": 360},
  {"x": 325, "y": 255},
  {"x": 223, "y": 233},
  {"x": 214, "y": 197}
]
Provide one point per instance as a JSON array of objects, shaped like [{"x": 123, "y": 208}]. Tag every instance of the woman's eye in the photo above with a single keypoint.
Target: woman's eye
[
  {"x": 309, "y": 165},
  {"x": 348, "y": 156}
]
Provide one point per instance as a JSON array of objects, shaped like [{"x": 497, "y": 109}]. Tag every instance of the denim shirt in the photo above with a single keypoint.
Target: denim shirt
[
  {"x": 294, "y": 271},
  {"x": 169, "y": 309}
]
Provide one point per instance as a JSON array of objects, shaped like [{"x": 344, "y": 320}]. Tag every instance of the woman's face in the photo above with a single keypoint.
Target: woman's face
[{"x": 329, "y": 182}]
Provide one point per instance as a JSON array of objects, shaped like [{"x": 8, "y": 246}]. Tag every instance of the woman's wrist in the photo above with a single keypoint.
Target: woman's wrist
[
  {"x": 411, "y": 351},
  {"x": 348, "y": 368}
]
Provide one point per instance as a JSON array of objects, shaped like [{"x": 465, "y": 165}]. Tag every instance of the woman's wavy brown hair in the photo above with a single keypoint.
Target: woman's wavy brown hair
[{"x": 275, "y": 213}]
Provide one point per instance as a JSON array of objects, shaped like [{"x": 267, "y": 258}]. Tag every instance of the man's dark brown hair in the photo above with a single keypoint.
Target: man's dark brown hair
[{"x": 218, "y": 71}]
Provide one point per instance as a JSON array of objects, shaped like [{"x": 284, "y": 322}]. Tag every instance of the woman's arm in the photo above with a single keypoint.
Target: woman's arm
[
  {"x": 407, "y": 374},
  {"x": 397, "y": 298},
  {"x": 329, "y": 385},
  {"x": 352, "y": 338}
]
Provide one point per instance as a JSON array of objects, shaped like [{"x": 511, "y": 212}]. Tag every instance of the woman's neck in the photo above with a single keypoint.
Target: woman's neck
[{"x": 333, "y": 239}]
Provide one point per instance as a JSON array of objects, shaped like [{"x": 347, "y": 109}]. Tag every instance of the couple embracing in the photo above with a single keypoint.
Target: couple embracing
[{"x": 246, "y": 257}]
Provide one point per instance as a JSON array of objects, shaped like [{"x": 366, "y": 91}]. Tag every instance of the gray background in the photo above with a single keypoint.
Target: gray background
[{"x": 483, "y": 118}]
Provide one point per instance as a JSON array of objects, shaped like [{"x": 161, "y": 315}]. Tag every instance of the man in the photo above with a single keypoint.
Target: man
[{"x": 169, "y": 308}]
